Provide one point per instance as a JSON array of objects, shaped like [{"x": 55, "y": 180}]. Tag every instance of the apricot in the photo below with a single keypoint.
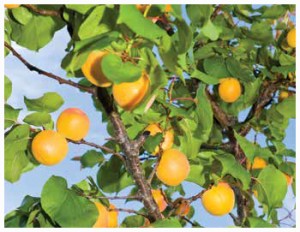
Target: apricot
[
  {"x": 11, "y": 6},
  {"x": 102, "y": 220},
  {"x": 168, "y": 136},
  {"x": 49, "y": 147},
  {"x": 112, "y": 217},
  {"x": 258, "y": 163},
  {"x": 141, "y": 7},
  {"x": 73, "y": 123},
  {"x": 159, "y": 199},
  {"x": 92, "y": 69},
  {"x": 289, "y": 179},
  {"x": 291, "y": 38},
  {"x": 128, "y": 95},
  {"x": 218, "y": 200},
  {"x": 168, "y": 8},
  {"x": 183, "y": 208},
  {"x": 229, "y": 89},
  {"x": 283, "y": 95},
  {"x": 173, "y": 167}
]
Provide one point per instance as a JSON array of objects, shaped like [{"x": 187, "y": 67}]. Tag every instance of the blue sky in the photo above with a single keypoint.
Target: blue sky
[{"x": 32, "y": 85}]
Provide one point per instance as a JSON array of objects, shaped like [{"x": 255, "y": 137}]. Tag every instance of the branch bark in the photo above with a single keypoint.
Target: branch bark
[
  {"x": 60, "y": 80},
  {"x": 43, "y": 12},
  {"x": 131, "y": 150}
]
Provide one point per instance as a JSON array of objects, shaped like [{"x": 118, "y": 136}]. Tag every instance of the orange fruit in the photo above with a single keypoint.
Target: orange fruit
[
  {"x": 183, "y": 208},
  {"x": 129, "y": 95},
  {"x": 112, "y": 217},
  {"x": 258, "y": 163},
  {"x": 11, "y": 6},
  {"x": 283, "y": 95},
  {"x": 141, "y": 7},
  {"x": 168, "y": 8},
  {"x": 218, "y": 200},
  {"x": 49, "y": 147},
  {"x": 173, "y": 167},
  {"x": 168, "y": 136},
  {"x": 73, "y": 123},
  {"x": 102, "y": 220},
  {"x": 289, "y": 179},
  {"x": 159, "y": 199},
  {"x": 291, "y": 38},
  {"x": 91, "y": 69},
  {"x": 229, "y": 89}
]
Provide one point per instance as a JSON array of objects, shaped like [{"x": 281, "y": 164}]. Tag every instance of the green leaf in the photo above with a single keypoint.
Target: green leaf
[
  {"x": 274, "y": 12},
  {"x": 286, "y": 60},
  {"x": 206, "y": 51},
  {"x": 199, "y": 14},
  {"x": 216, "y": 67},
  {"x": 204, "y": 114},
  {"x": 171, "y": 222},
  {"x": 284, "y": 69},
  {"x": 14, "y": 220},
  {"x": 234, "y": 168},
  {"x": 22, "y": 15},
  {"x": 238, "y": 70},
  {"x": 49, "y": 103},
  {"x": 10, "y": 116},
  {"x": 257, "y": 222},
  {"x": 38, "y": 119},
  {"x": 133, "y": 221},
  {"x": 185, "y": 36},
  {"x": 211, "y": 30},
  {"x": 117, "y": 71},
  {"x": 287, "y": 107},
  {"x": 197, "y": 174},
  {"x": 99, "y": 21},
  {"x": 7, "y": 88},
  {"x": 91, "y": 158},
  {"x": 80, "y": 8},
  {"x": 207, "y": 79},
  {"x": 152, "y": 142},
  {"x": 65, "y": 207},
  {"x": 131, "y": 17},
  {"x": 271, "y": 187},
  {"x": 37, "y": 32},
  {"x": 260, "y": 31},
  {"x": 15, "y": 159},
  {"x": 112, "y": 176}
]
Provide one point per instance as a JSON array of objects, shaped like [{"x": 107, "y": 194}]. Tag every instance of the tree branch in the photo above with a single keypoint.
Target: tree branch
[
  {"x": 60, "y": 80},
  {"x": 129, "y": 211},
  {"x": 103, "y": 148},
  {"x": 131, "y": 151},
  {"x": 43, "y": 12}
]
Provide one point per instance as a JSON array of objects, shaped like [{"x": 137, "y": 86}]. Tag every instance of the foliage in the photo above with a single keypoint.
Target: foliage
[{"x": 185, "y": 56}]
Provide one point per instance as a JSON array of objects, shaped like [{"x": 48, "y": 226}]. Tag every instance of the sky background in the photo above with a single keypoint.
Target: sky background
[{"x": 32, "y": 85}]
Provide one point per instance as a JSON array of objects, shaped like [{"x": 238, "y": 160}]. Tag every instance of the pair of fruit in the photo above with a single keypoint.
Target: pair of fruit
[
  {"x": 127, "y": 95},
  {"x": 108, "y": 218},
  {"x": 50, "y": 147}
]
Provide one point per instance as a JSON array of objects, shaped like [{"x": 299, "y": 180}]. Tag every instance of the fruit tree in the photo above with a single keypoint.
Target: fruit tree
[{"x": 195, "y": 99}]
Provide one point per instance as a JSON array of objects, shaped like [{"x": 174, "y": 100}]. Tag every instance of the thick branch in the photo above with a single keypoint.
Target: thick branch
[
  {"x": 43, "y": 12},
  {"x": 131, "y": 151},
  {"x": 60, "y": 80}
]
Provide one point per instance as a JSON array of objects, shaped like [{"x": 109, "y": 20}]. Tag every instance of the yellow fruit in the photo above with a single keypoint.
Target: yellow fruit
[
  {"x": 49, "y": 147},
  {"x": 129, "y": 95},
  {"x": 168, "y": 136},
  {"x": 183, "y": 208},
  {"x": 291, "y": 38},
  {"x": 92, "y": 69},
  {"x": 73, "y": 123},
  {"x": 258, "y": 163},
  {"x": 102, "y": 220},
  {"x": 173, "y": 168},
  {"x": 141, "y": 7},
  {"x": 159, "y": 199},
  {"x": 219, "y": 200},
  {"x": 112, "y": 217},
  {"x": 168, "y": 8},
  {"x": 11, "y": 6},
  {"x": 230, "y": 89},
  {"x": 283, "y": 95}
]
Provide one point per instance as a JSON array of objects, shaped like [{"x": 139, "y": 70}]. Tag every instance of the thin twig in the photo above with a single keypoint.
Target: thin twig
[
  {"x": 60, "y": 80},
  {"x": 129, "y": 211},
  {"x": 189, "y": 221},
  {"x": 195, "y": 197},
  {"x": 103, "y": 148},
  {"x": 152, "y": 174},
  {"x": 55, "y": 13}
]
